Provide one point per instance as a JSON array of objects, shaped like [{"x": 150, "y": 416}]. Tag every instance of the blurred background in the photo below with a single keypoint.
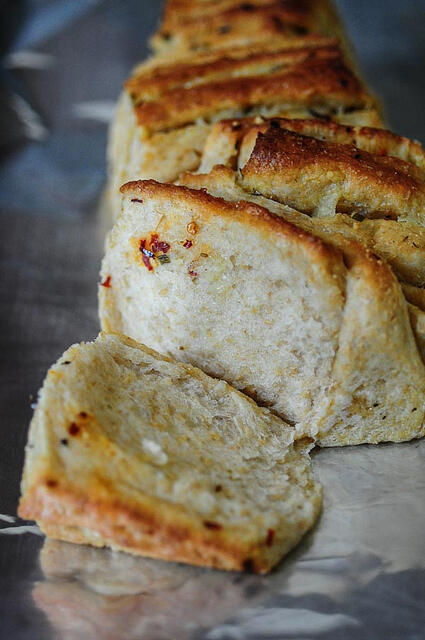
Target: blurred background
[{"x": 62, "y": 66}]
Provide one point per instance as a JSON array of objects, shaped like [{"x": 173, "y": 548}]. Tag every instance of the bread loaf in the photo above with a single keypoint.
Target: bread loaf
[
  {"x": 287, "y": 260},
  {"x": 317, "y": 331},
  {"x": 132, "y": 450},
  {"x": 165, "y": 114}
]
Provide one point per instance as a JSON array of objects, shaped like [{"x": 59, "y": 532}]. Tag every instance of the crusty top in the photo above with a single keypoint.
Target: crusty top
[
  {"x": 321, "y": 167},
  {"x": 310, "y": 77},
  {"x": 303, "y": 170},
  {"x": 149, "y": 83},
  {"x": 200, "y": 26},
  {"x": 379, "y": 142},
  {"x": 188, "y": 11}
]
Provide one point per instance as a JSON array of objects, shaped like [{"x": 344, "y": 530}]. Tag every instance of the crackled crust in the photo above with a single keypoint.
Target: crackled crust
[
  {"x": 194, "y": 26},
  {"x": 179, "y": 12},
  {"x": 234, "y": 139},
  {"x": 147, "y": 83},
  {"x": 301, "y": 170},
  {"x": 316, "y": 78}
]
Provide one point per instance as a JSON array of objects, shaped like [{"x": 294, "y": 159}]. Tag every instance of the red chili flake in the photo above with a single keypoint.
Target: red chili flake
[
  {"x": 107, "y": 282},
  {"x": 73, "y": 429},
  {"x": 193, "y": 274},
  {"x": 154, "y": 242},
  {"x": 270, "y": 537},
  {"x": 51, "y": 483},
  {"x": 147, "y": 262},
  {"x": 158, "y": 245},
  {"x": 83, "y": 414},
  {"x": 142, "y": 244},
  {"x": 188, "y": 244},
  {"x": 137, "y": 200},
  {"x": 211, "y": 525}
]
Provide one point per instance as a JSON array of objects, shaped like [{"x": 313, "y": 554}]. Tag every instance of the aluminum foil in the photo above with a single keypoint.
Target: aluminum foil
[{"x": 361, "y": 572}]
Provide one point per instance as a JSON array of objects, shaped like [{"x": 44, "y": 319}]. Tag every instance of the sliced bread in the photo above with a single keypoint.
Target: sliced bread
[
  {"x": 317, "y": 331},
  {"x": 132, "y": 450},
  {"x": 165, "y": 114}
]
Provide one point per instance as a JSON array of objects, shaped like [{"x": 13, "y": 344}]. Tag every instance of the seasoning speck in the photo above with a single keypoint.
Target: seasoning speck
[
  {"x": 188, "y": 244},
  {"x": 73, "y": 429},
  {"x": 270, "y": 537},
  {"x": 212, "y": 525},
  {"x": 146, "y": 261},
  {"x": 107, "y": 282},
  {"x": 192, "y": 228}
]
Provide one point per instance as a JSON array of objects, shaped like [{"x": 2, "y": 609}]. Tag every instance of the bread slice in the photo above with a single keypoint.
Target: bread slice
[
  {"x": 317, "y": 331},
  {"x": 366, "y": 184},
  {"x": 132, "y": 450},
  {"x": 166, "y": 113},
  {"x": 191, "y": 26}
]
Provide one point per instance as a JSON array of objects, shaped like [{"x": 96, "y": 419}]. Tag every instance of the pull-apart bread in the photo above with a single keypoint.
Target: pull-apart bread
[
  {"x": 190, "y": 26},
  {"x": 165, "y": 114},
  {"x": 315, "y": 328},
  {"x": 366, "y": 184},
  {"x": 132, "y": 450}
]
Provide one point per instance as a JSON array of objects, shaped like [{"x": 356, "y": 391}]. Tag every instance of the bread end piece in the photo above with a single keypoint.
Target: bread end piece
[{"x": 130, "y": 450}]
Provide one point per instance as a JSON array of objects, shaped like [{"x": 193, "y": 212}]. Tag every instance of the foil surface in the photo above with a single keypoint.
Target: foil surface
[{"x": 361, "y": 573}]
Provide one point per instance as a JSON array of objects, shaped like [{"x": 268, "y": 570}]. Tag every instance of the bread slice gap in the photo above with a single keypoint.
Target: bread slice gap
[
  {"x": 316, "y": 329},
  {"x": 165, "y": 113},
  {"x": 363, "y": 183},
  {"x": 131, "y": 450}
]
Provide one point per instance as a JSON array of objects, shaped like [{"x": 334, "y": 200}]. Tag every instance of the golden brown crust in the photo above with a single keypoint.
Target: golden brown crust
[
  {"x": 146, "y": 529},
  {"x": 376, "y": 185},
  {"x": 379, "y": 142},
  {"x": 179, "y": 12},
  {"x": 315, "y": 77},
  {"x": 197, "y": 31},
  {"x": 194, "y": 26},
  {"x": 148, "y": 83}
]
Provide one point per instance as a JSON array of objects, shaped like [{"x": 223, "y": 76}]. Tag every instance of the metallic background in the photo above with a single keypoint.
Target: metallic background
[{"x": 361, "y": 573}]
